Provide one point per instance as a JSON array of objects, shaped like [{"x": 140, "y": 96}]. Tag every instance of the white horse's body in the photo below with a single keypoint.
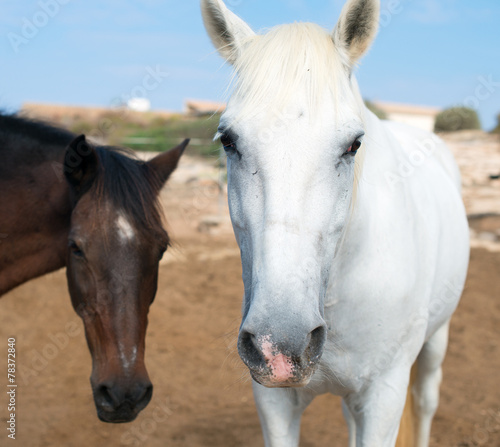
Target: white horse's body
[
  {"x": 350, "y": 278},
  {"x": 394, "y": 288}
]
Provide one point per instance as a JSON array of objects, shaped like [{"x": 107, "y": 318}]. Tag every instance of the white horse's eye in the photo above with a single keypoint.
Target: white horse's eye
[
  {"x": 229, "y": 144},
  {"x": 354, "y": 147},
  {"x": 226, "y": 141}
]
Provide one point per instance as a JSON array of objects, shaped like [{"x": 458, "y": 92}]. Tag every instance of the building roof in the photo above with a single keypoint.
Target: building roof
[
  {"x": 62, "y": 113},
  {"x": 197, "y": 107},
  {"x": 392, "y": 107}
]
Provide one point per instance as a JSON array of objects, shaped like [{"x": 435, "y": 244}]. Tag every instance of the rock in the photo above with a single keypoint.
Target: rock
[
  {"x": 487, "y": 236},
  {"x": 208, "y": 223}
]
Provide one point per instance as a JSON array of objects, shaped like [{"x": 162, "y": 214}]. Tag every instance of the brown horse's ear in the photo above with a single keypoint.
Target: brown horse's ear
[
  {"x": 81, "y": 164},
  {"x": 164, "y": 164}
]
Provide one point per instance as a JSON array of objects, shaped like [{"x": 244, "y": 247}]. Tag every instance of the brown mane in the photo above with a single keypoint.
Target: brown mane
[{"x": 131, "y": 186}]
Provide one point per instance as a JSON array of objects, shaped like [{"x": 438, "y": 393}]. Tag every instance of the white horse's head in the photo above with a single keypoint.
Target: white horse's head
[{"x": 291, "y": 132}]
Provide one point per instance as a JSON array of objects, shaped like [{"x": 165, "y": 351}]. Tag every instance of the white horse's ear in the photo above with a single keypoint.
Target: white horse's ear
[
  {"x": 357, "y": 27},
  {"x": 227, "y": 31}
]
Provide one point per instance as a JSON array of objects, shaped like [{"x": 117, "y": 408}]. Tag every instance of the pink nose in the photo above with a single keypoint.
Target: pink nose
[
  {"x": 281, "y": 365},
  {"x": 281, "y": 358}
]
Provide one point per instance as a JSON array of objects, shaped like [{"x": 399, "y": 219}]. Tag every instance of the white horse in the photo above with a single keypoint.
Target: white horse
[{"x": 352, "y": 231}]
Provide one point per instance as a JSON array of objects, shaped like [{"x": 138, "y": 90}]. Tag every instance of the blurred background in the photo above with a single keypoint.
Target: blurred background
[
  {"x": 143, "y": 74},
  {"x": 155, "y": 55}
]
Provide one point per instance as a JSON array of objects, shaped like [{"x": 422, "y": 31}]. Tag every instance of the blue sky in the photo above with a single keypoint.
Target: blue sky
[{"x": 88, "y": 52}]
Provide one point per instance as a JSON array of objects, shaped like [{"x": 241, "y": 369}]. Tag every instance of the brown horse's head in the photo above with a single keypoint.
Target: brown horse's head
[{"x": 116, "y": 241}]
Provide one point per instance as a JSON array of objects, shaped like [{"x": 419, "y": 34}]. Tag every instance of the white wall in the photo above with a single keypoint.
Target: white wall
[{"x": 425, "y": 122}]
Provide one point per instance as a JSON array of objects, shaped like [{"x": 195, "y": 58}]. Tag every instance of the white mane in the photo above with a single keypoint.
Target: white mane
[{"x": 272, "y": 67}]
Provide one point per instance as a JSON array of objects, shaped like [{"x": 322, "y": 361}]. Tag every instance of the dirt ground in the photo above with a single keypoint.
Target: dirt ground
[{"x": 202, "y": 393}]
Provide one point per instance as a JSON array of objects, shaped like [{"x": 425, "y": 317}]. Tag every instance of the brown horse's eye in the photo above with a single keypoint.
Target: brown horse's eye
[
  {"x": 75, "y": 249},
  {"x": 162, "y": 252}
]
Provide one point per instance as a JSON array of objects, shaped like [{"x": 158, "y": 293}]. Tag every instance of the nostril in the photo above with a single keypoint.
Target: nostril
[
  {"x": 105, "y": 397},
  {"x": 248, "y": 351},
  {"x": 145, "y": 397},
  {"x": 317, "y": 339}
]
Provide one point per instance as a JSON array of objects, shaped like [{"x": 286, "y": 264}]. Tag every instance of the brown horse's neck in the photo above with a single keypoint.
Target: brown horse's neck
[{"x": 35, "y": 212}]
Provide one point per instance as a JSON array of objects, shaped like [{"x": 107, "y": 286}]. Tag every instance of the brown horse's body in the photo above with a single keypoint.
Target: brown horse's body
[
  {"x": 94, "y": 210},
  {"x": 35, "y": 213}
]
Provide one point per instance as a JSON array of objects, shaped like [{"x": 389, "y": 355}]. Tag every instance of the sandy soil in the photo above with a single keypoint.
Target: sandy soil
[{"x": 202, "y": 394}]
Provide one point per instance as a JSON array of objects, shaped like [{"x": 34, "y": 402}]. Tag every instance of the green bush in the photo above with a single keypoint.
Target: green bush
[
  {"x": 457, "y": 118},
  {"x": 376, "y": 110},
  {"x": 497, "y": 129}
]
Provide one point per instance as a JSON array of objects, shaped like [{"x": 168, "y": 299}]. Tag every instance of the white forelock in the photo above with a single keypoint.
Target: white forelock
[{"x": 300, "y": 57}]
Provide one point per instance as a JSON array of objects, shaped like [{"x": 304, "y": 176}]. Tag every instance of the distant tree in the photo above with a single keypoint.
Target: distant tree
[
  {"x": 497, "y": 129},
  {"x": 457, "y": 118}
]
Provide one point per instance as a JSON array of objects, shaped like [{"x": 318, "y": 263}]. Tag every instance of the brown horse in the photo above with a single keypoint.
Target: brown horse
[{"x": 95, "y": 210}]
